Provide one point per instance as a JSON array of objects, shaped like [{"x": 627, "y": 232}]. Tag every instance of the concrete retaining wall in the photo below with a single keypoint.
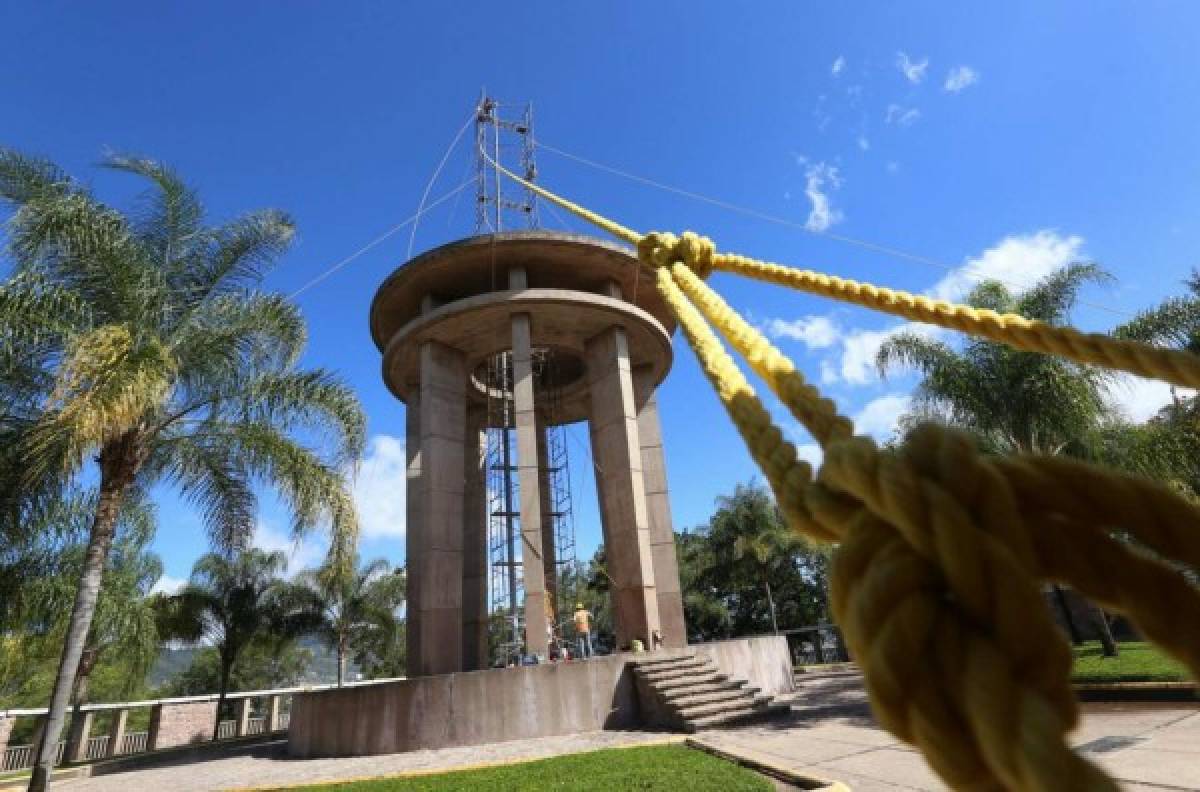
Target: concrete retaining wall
[
  {"x": 763, "y": 660},
  {"x": 478, "y": 707}
]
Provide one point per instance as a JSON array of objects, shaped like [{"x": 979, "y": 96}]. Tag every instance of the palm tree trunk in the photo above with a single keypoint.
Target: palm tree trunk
[
  {"x": 226, "y": 670},
  {"x": 1060, "y": 597},
  {"x": 341, "y": 661},
  {"x": 118, "y": 466},
  {"x": 1107, "y": 643},
  {"x": 771, "y": 605}
]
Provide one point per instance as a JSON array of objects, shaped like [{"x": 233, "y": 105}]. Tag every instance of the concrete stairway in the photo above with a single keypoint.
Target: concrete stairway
[{"x": 689, "y": 693}]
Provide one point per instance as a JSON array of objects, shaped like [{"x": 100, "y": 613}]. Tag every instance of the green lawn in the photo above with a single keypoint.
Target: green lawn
[
  {"x": 1138, "y": 661},
  {"x": 660, "y": 767}
]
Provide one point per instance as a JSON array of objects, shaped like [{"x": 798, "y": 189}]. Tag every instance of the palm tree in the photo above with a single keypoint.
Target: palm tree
[
  {"x": 1013, "y": 401},
  {"x": 352, "y": 604},
  {"x": 144, "y": 346},
  {"x": 230, "y": 601},
  {"x": 764, "y": 544}
]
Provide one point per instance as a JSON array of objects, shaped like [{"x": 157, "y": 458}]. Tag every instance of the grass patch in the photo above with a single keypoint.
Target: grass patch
[
  {"x": 1137, "y": 661},
  {"x": 659, "y": 767}
]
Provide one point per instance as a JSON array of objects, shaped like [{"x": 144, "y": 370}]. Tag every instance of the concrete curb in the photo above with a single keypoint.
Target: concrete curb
[
  {"x": 434, "y": 771},
  {"x": 1136, "y": 691},
  {"x": 767, "y": 766}
]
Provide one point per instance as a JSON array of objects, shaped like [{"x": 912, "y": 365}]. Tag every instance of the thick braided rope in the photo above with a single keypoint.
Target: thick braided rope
[
  {"x": 1012, "y": 654},
  {"x": 942, "y": 549},
  {"x": 698, "y": 252},
  {"x": 1169, "y": 365}
]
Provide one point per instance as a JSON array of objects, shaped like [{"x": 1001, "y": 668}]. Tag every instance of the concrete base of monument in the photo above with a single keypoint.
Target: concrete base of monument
[{"x": 479, "y": 707}]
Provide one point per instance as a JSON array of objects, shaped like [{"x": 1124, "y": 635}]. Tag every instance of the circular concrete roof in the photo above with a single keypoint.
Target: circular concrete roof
[
  {"x": 479, "y": 265},
  {"x": 560, "y": 319}
]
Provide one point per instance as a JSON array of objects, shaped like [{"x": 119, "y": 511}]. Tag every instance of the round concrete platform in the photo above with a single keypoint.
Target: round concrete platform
[
  {"x": 478, "y": 265},
  {"x": 563, "y": 320}
]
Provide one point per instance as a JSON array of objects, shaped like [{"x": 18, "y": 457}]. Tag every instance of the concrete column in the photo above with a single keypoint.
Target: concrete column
[
  {"x": 413, "y": 531},
  {"x": 440, "y": 539},
  {"x": 549, "y": 551},
  {"x": 616, "y": 451},
  {"x": 475, "y": 543},
  {"x": 528, "y": 474},
  {"x": 116, "y": 731},
  {"x": 658, "y": 510},
  {"x": 274, "y": 710},
  {"x": 77, "y": 736},
  {"x": 243, "y": 717},
  {"x": 6, "y": 727}
]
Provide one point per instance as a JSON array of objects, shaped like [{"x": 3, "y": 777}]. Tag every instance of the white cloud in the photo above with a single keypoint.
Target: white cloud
[
  {"x": 960, "y": 78},
  {"x": 1140, "y": 399},
  {"x": 301, "y": 554},
  {"x": 860, "y": 347},
  {"x": 913, "y": 71},
  {"x": 828, "y": 373},
  {"x": 818, "y": 179},
  {"x": 901, "y": 116},
  {"x": 838, "y": 65},
  {"x": 815, "y": 332},
  {"x": 379, "y": 488},
  {"x": 168, "y": 585},
  {"x": 1018, "y": 261},
  {"x": 879, "y": 417},
  {"x": 810, "y": 453},
  {"x": 863, "y": 143}
]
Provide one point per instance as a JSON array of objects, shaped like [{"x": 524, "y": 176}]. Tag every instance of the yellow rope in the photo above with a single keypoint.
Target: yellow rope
[{"x": 943, "y": 552}]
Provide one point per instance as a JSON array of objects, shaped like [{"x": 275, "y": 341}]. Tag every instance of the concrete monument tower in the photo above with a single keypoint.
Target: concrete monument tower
[{"x": 509, "y": 318}]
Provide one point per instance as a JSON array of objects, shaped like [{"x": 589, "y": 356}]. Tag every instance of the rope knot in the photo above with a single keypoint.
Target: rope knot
[{"x": 662, "y": 249}]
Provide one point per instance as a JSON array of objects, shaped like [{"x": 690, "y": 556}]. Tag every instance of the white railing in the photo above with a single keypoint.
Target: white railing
[
  {"x": 19, "y": 757},
  {"x": 226, "y": 729},
  {"x": 134, "y": 742},
  {"x": 256, "y": 725},
  {"x": 97, "y": 747}
]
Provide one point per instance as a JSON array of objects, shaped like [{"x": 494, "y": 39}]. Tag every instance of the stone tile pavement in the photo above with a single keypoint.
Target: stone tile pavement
[
  {"x": 831, "y": 734},
  {"x": 268, "y": 765}
]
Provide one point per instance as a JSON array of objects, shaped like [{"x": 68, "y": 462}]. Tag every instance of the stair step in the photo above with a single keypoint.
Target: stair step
[
  {"x": 691, "y": 668},
  {"x": 705, "y": 709},
  {"x": 736, "y": 718},
  {"x": 699, "y": 688},
  {"x": 683, "y": 703},
  {"x": 651, "y": 662},
  {"x": 666, "y": 687}
]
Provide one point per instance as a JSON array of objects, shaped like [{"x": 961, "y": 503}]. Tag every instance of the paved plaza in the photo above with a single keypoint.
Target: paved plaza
[{"x": 829, "y": 733}]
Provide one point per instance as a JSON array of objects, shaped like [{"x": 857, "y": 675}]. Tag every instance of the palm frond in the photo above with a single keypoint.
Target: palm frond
[
  {"x": 23, "y": 178},
  {"x": 104, "y": 388},
  {"x": 239, "y": 253},
  {"x": 1053, "y": 297},
  {"x": 173, "y": 211}
]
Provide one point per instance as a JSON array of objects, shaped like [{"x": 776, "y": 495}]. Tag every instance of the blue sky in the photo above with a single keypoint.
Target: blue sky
[{"x": 985, "y": 139}]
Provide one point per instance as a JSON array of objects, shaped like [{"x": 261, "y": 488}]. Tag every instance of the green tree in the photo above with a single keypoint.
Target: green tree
[
  {"x": 1167, "y": 447},
  {"x": 122, "y": 642},
  {"x": 1013, "y": 401},
  {"x": 704, "y": 601},
  {"x": 354, "y": 606},
  {"x": 144, "y": 346},
  {"x": 230, "y": 602},
  {"x": 755, "y": 560}
]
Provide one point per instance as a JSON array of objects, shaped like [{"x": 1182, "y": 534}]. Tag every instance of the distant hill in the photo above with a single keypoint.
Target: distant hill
[{"x": 172, "y": 662}]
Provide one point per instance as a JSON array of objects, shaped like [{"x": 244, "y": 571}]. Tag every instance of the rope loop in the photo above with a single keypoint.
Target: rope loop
[{"x": 662, "y": 249}]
